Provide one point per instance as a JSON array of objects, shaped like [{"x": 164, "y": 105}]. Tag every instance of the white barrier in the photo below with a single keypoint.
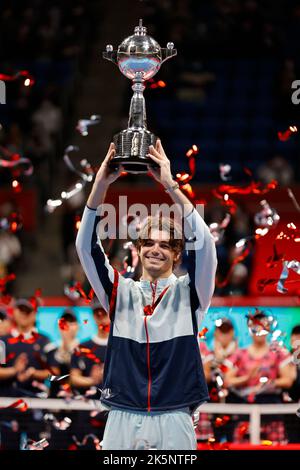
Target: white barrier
[{"x": 254, "y": 411}]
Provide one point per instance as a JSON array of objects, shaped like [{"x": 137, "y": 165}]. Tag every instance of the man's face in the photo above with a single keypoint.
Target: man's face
[
  {"x": 156, "y": 254},
  {"x": 70, "y": 332},
  {"x": 23, "y": 318},
  {"x": 295, "y": 342},
  {"x": 5, "y": 326},
  {"x": 102, "y": 320},
  {"x": 224, "y": 337}
]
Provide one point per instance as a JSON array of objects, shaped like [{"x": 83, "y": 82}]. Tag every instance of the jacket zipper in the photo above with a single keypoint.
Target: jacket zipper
[{"x": 148, "y": 366}]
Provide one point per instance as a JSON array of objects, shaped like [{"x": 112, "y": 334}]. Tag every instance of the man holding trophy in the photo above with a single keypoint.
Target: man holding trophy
[{"x": 153, "y": 375}]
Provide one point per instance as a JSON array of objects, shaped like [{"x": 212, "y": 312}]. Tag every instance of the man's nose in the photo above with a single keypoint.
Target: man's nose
[{"x": 155, "y": 248}]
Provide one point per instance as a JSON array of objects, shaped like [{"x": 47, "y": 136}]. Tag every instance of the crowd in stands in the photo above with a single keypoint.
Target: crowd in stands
[{"x": 261, "y": 373}]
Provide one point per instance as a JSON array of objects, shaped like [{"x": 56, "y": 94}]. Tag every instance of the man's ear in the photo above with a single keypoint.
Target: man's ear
[{"x": 176, "y": 257}]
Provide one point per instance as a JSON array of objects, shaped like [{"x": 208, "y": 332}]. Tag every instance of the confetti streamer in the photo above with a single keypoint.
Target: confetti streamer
[
  {"x": 202, "y": 333},
  {"x": 287, "y": 265},
  {"x": 225, "y": 170},
  {"x": 267, "y": 217},
  {"x": 76, "y": 292},
  {"x": 284, "y": 136},
  {"x": 225, "y": 201},
  {"x": 60, "y": 425},
  {"x": 291, "y": 195},
  {"x": 84, "y": 124},
  {"x": 89, "y": 172},
  {"x": 36, "y": 445},
  {"x": 57, "y": 378},
  {"x": 260, "y": 326},
  {"x": 130, "y": 261},
  {"x": 28, "y": 79},
  {"x": 85, "y": 177},
  {"x": 20, "y": 405},
  {"x": 272, "y": 261},
  {"x": 244, "y": 247},
  {"x": 71, "y": 293},
  {"x": 16, "y": 163},
  {"x": 217, "y": 229}
]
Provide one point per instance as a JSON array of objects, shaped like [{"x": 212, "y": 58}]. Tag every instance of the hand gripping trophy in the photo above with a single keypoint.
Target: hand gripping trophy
[{"x": 139, "y": 58}]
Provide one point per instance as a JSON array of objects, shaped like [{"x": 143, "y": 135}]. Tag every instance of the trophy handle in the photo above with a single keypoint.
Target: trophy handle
[
  {"x": 110, "y": 54},
  {"x": 168, "y": 52}
]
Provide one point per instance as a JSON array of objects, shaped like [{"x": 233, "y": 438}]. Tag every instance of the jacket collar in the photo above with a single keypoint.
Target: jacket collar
[
  {"x": 100, "y": 341},
  {"x": 161, "y": 283},
  {"x": 15, "y": 333}
]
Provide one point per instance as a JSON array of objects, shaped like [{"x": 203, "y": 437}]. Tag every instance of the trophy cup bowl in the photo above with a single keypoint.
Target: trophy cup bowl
[{"x": 138, "y": 57}]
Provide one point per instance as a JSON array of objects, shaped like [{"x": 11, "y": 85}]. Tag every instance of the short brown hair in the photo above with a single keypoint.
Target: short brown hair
[{"x": 163, "y": 224}]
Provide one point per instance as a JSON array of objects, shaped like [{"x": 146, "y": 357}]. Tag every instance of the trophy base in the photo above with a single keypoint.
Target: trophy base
[{"x": 132, "y": 146}]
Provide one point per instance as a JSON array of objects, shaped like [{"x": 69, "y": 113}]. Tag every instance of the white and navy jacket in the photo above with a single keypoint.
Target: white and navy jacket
[{"x": 153, "y": 362}]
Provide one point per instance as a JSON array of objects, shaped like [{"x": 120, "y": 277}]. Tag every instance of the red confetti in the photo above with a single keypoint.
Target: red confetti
[
  {"x": 77, "y": 288},
  {"x": 36, "y": 299},
  {"x": 28, "y": 79},
  {"x": 105, "y": 328},
  {"x": 63, "y": 325},
  {"x": 203, "y": 332},
  {"x": 243, "y": 429},
  {"x": 238, "y": 259},
  {"x": 284, "y": 136},
  {"x": 276, "y": 258},
  {"x": 5, "y": 280},
  {"x": 20, "y": 405},
  {"x": 159, "y": 84},
  {"x": 221, "y": 421},
  {"x": 88, "y": 353}
]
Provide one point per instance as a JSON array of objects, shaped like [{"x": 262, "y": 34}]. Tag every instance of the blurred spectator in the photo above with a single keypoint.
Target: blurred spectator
[
  {"x": 10, "y": 250},
  {"x": 87, "y": 373},
  {"x": 60, "y": 356},
  {"x": 225, "y": 345},
  {"x": 25, "y": 350},
  {"x": 277, "y": 168},
  {"x": 258, "y": 374},
  {"x": 292, "y": 421},
  {"x": 23, "y": 374},
  {"x": 48, "y": 117},
  {"x": 5, "y": 322}
]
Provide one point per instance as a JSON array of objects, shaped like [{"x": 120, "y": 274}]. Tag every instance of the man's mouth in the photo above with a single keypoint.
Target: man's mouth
[{"x": 155, "y": 258}]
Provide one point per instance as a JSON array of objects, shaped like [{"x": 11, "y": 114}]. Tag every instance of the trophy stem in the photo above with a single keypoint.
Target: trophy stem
[{"x": 137, "y": 111}]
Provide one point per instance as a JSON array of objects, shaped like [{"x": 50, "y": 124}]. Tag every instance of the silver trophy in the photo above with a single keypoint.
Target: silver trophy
[{"x": 139, "y": 58}]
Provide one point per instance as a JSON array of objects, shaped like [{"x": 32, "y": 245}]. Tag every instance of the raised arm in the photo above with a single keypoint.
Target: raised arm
[
  {"x": 99, "y": 272},
  {"x": 202, "y": 257}
]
